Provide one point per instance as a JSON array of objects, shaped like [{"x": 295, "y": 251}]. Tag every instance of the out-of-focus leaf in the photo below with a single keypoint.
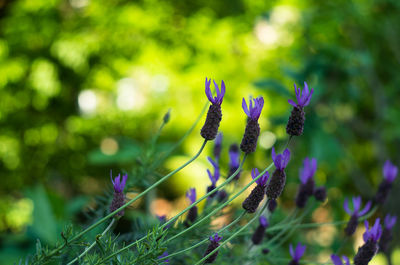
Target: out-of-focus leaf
[
  {"x": 272, "y": 85},
  {"x": 127, "y": 152}
]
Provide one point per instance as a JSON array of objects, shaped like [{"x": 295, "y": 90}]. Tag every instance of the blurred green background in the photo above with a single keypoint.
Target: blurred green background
[{"x": 84, "y": 85}]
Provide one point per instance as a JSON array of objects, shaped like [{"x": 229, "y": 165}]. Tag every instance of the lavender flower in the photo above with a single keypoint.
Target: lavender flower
[
  {"x": 119, "y": 197},
  {"x": 234, "y": 160},
  {"x": 218, "y": 146},
  {"x": 297, "y": 117},
  {"x": 389, "y": 174},
  {"x": 192, "y": 214},
  {"x": 278, "y": 179},
  {"x": 320, "y": 193},
  {"x": 260, "y": 231},
  {"x": 337, "y": 261},
  {"x": 367, "y": 251},
  {"x": 213, "y": 177},
  {"x": 214, "y": 243},
  {"x": 252, "y": 131},
  {"x": 387, "y": 236},
  {"x": 355, "y": 214},
  {"x": 222, "y": 195},
  {"x": 162, "y": 256},
  {"x": 296, "y": 254},
  {"x": 307, "y": 182},
  {"x": 250, "y": 204},
  {"x": 214, "y": 115}
]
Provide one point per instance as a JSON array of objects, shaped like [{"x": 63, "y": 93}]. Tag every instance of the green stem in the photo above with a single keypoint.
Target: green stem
[{"x": 92, "y": 245}]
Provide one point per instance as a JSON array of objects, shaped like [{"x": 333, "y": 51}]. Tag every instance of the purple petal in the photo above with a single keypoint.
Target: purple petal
[
  {"x": 346, "y": 206},
  {"x": 124, "y": 178},
  {"x": 366, "y": 234},
  {"x": 356, "y": 203},
  {"x": 390, "y": 221},
  {"x": 222, "y": 90},
  {"x": 278, "y": 162},
  {"x": 286, "y": 158},
  {"x": 299, "y": 251},
  {"x": 291, "y": 102},
  {"x": 336, "y": 260},
  {"x": 217, "y": 90},
  {"x": 273, "y": 155},
  {"x": 308, "y": 99},
  {"x": 346, "y": 259},
  {"x": 366, "y": 209},
  {"x": 263, "y": 221},
  {"x": 254, "y": 173},
  {"x": 210, "y": 176},
  {"x": 245, "y": 109},
  {"x": 208, "y": 91},
  {"x": 291, "y": 251}
]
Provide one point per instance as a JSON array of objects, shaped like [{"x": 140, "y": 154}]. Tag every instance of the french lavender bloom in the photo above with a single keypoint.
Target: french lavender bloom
[
  {"x": 213, "y": 177},
  {"x": 119, "y": 197},
  {"x": 250, "y": 204},
  {"x": 260, "y": 231},
  {"x": 234, "y": 160},
  {"x": 295, "y": 124},
  {"x": 214, "y": 243},
  {"x": 387, "y": 236},
  {"x": 217, "y": 146},
  {"x": 163, "y": 255},
  {"x": 367, "y": 251},
  {"x": 337, "y": 261},
  {"x": 389, "y": 174},
  {"x": 296, "y": 254},
  {"x": 252, "y": 131},
  {"x": 307, "y": 182},
  {"x": 192, "y": 215},
  {"x": 278, "y": 179},
  {"x": 214, "y": 114},
  {"x": 355, "y": 214}
]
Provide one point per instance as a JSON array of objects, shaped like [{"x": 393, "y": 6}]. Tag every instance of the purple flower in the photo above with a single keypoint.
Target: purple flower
[
  {"x": 254, "y": 111},
  {"x": 337, "y": 261},
  {"x": 390, "y": 221},
  {"x": 214, "y": 178},
  {"x": 308, "y": 170},
  {"x": 374, "y": 233},
  {"x": 220, "y": 94},
  {"x": 263, "y": 221},
  {"x": 280, "y": 160},
  {"x": 262, "y": 180},
  {"x": 216, "y": 238},
  {"x": 218, "y": 146},
  {"x": 162, "y": 218},
  {"x": 389, "y": 171},
  {"x": 357, "y": 206},
  {"x": 191, "y": 195},
  {"x": 298, "y": 253},
  {"x": 234, "y": 156},
  {"x": 117, "y": 183},
  {"x": 163, "y": 255},
  {"x": 303, "y": 96}
]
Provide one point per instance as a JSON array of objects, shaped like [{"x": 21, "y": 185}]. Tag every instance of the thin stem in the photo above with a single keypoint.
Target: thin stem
[{"x": 92, "y": 245}]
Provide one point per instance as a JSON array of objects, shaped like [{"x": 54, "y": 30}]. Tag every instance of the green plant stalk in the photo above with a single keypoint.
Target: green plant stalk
[
  {"x": 92, "y": 245},
  {"x": 205, "y": 240}
]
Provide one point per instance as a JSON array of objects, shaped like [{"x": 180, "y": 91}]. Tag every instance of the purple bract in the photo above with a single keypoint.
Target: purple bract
[
  {"x": 117, "y": 183},
  {"x": 374, "y": 233},
  {"x": 253, "y": 112},
  {"x": 357, "y": 206},
  {"x": 216, "y": 238},
  {"x": 303, "y": 96},
  {"x": 337, "y": 261},
  {"x": 214, "y": 178},
  {"x": 261, "y": 180},
  {"x": 234, "y": 157},
  {"x": 263, "y": 221},
  {"x": 298, "y": 252},
  {"x": 220, "y": 94},
  {"x": 390, "y": 221},
  {"x": 389, "y": 171},
  {"x": 191, "y": 195},
  {"x": 280, "y": 160},
  {"x": 308, "y": 170}
]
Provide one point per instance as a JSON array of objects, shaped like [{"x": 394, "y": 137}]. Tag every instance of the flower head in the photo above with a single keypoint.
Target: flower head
[
  {"x": 280, "y": 160},
  {"x": 191, "y": 195},
  {"x": 389, "y": 171},
  {"x": 356, "y": 207},
  {"x": 337, "y": 261},
  {"x": 390, "y": 221},
  {"x": 216, "y": 238},
  {"x": 218, "y": 146},
  {"x": 261, "y": 180},
  {"x": 220, "y": 94},
  {"x": 263, "y": 221},
  {"x": 117, "y": 183},
  {"x": 308, "y": 170},
  {"x": 234, "y": 156},
  {"x": 374, "y": 233},
  {"x": 303, "y": 96},
  {"x": 298, "y": 252},
  {"x": 214, "y": 178},
  {"x": 253, "y": 112}
]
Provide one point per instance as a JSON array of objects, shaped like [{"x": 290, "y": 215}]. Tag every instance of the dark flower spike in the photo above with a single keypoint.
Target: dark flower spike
[
  {"x": 218, "y": 146},
  {"x": 263, "y": 221},
  {"x": 390, "y": 221},
  {"x": 297, "y": 253},
  {"x": 220, "y": 94},
  {"x": 367, "y": 251},
  {"x": 260, "y": 231},
  {"x": 119, "y": 197},
  {"x": 261, "y": 180},
  {"x": 163, "y": 255},
  {"x": 307, "y": 182},
  {"x": 280, "y": 160},
  {"x": 337, "y": 261},
  {"x": 191, "y": 195},
  {"x": 303, "y": 96},
  {"x": 214, "y": 114},
  {"x": 214, "y": 243},
  {"x": 389, "y": 171},
  {"x": 214, "y": 178},
  {"x": 356, "y": 207},
  {"x": 253, "y": 112},
  {"x": 234, "y": 160}
]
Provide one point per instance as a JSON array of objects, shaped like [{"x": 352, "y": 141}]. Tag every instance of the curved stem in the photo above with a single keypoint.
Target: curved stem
[{"x": 92, "y": 245}]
